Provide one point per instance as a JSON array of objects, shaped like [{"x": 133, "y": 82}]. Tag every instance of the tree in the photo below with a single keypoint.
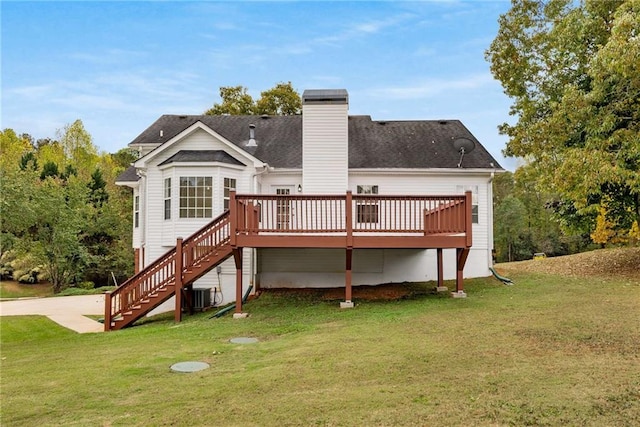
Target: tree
[
  {"x": 573, "y": 72},
  {"x": 235, "y": 101},
  {"x": 66, "y": 217},
  {"x": 510, "y": 227},
  {"x": 56, "y": 238},
  {"x": 282, "y": 99},
  {"x": 78, "y": 147},
  {"x": 13, "y": 148}
]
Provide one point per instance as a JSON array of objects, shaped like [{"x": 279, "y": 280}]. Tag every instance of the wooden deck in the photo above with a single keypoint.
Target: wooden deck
[{"x": 296, "y": 221}]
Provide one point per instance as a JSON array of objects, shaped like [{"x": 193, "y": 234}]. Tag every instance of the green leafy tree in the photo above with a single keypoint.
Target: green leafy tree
[
  {"x": 573, "y": 73},
  {"x": 77, "y": 145},
  {"x": 13, "y": 148},
  {"x": 55, "y": 239},
  {"x": 282, "y": 99},
  {"x": 510, "y": 228},
  {"x": 235, "y": 101}
]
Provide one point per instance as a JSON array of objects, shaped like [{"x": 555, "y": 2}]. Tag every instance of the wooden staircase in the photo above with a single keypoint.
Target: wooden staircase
[{"x": 156, "y": 283}]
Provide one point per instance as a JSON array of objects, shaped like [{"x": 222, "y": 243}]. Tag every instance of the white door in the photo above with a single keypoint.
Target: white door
[{"x": 283, "y": 207}]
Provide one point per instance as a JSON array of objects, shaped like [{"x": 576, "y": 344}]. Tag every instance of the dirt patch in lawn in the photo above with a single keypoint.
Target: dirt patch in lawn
[{"x": 623, "y": 263}]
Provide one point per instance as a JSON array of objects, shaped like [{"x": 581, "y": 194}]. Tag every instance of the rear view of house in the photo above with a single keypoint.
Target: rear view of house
[{"x": 321, "y": 199}]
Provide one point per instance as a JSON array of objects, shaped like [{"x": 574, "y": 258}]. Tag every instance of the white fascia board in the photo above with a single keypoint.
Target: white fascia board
[
  {"x": 284, "y": 171},
  {"x": 141, "y": 162},
  {"x": 430, "y": 171},
  {"x": 130, "y": 184},
  {"x": 205, "y": 164}
]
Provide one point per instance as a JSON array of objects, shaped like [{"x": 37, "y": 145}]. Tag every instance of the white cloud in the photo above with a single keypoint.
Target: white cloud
[{"x": 431, "y": 87}]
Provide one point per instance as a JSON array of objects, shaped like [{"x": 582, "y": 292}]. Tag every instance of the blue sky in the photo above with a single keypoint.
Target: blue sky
[{"x": 118, "y": 66}]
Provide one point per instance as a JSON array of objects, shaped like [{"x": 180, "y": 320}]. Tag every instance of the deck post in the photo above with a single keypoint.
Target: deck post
[
  {"x": 107, "y": 311},
  {"x": 468, "y": 224},
  {"x": 347, "y": 280},
  {"x": 348, "y": 207},
  {"x": 440, "y": 287},
  {"x": 237, "y": 257},
  {"x": 461, "y": 259},
  {"x": 178, "y": 281},
  {"x": 233, "y": 219}
]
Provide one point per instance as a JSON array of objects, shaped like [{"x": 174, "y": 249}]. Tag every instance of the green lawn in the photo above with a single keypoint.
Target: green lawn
[{"x": 547, "y": 351}]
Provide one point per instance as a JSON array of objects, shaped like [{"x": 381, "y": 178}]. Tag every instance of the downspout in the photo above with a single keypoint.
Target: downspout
[
  {"x": 253, "y": 265},
  {"x": 142, "y": 194},
  {"x": 490, "y": 219}
]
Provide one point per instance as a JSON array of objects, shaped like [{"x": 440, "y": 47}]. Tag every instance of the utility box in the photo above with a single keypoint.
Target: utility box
[{"x": 201, "y": 298}]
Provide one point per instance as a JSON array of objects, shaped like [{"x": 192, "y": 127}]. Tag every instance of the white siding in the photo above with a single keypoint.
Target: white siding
[
  {"x": 318, "y": 268},
  {"x": 445, "y": 183},
  {"x": 325, "y": 153}
]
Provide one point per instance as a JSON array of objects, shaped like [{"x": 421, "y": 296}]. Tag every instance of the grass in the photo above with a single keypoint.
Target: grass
[
  {"x": 548, "y": 351},
  {"x": 11, "y": 289}
]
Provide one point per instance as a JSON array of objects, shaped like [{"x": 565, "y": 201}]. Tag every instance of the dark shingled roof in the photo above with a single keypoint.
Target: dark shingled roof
[
  {"x": 372, "y": 144},
  {"x": 129, "y": 175},
  {"x": 202, "y": 156}
]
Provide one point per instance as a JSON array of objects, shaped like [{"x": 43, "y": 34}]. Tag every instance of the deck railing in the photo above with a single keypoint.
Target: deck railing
[{"x": 257, "y": 214}]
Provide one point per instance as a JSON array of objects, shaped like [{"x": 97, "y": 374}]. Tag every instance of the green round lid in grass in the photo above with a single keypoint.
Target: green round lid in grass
[
  {"x": 244, "y": 340},
  {"x": 189, "y": 366}
]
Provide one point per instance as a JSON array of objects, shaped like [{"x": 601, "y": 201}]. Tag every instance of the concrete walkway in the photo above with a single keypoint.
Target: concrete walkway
[{"x": 66, "y": 311}]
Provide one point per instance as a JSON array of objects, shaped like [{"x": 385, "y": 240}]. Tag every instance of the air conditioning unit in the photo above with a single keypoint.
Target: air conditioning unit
[{"x": 201, "y": 298}]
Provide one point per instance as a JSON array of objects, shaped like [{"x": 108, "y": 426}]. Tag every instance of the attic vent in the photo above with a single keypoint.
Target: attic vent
[
  {"x": 161, "y": 133},
  {"x": 252, "y": 136}
]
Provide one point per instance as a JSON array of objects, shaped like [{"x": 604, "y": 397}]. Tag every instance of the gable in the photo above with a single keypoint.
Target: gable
[{"x": 198, "y": 140}]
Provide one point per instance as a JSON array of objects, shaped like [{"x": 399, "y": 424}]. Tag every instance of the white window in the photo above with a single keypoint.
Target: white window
[
  {"x": 167, "y": 198},
  {"x": 229, "y": 185},
  {"x": 136, "y": 211},
  {"x": 367, "y": 211},
  {"x": 474, "y": 200},
  {"x": 196, "y": 197}
]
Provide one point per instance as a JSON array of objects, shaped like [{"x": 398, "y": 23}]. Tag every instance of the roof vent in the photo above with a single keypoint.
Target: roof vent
[
  {"x": 161, "y": 133},
  {"x": 443, "y": 122},
  {"x": 264, "y": 116},
  {"x": 382, "y": 123},
  {"x": 252, "y": 136}
]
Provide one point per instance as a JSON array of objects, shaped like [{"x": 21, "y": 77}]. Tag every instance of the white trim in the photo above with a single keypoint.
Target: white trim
[
  {"x": 130, "y": 184},
  {"x": 426, "y": 171}
]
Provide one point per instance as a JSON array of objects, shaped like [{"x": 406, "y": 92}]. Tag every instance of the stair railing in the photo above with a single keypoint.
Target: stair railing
[{"x": 161, "y": 273}]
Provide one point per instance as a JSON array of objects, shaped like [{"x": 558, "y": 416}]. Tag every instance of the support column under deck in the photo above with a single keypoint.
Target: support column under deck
[
  {"x": 347, "y": 280},
  {"x": 440, "y": 287},
  {"x": 178, "y": 281},
  {"x": 237, "y": 257},
  {"x": 461, "y": 259}
]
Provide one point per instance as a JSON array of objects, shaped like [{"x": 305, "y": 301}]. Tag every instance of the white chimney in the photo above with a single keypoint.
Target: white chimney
[{"x": 325, "y": 141}]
